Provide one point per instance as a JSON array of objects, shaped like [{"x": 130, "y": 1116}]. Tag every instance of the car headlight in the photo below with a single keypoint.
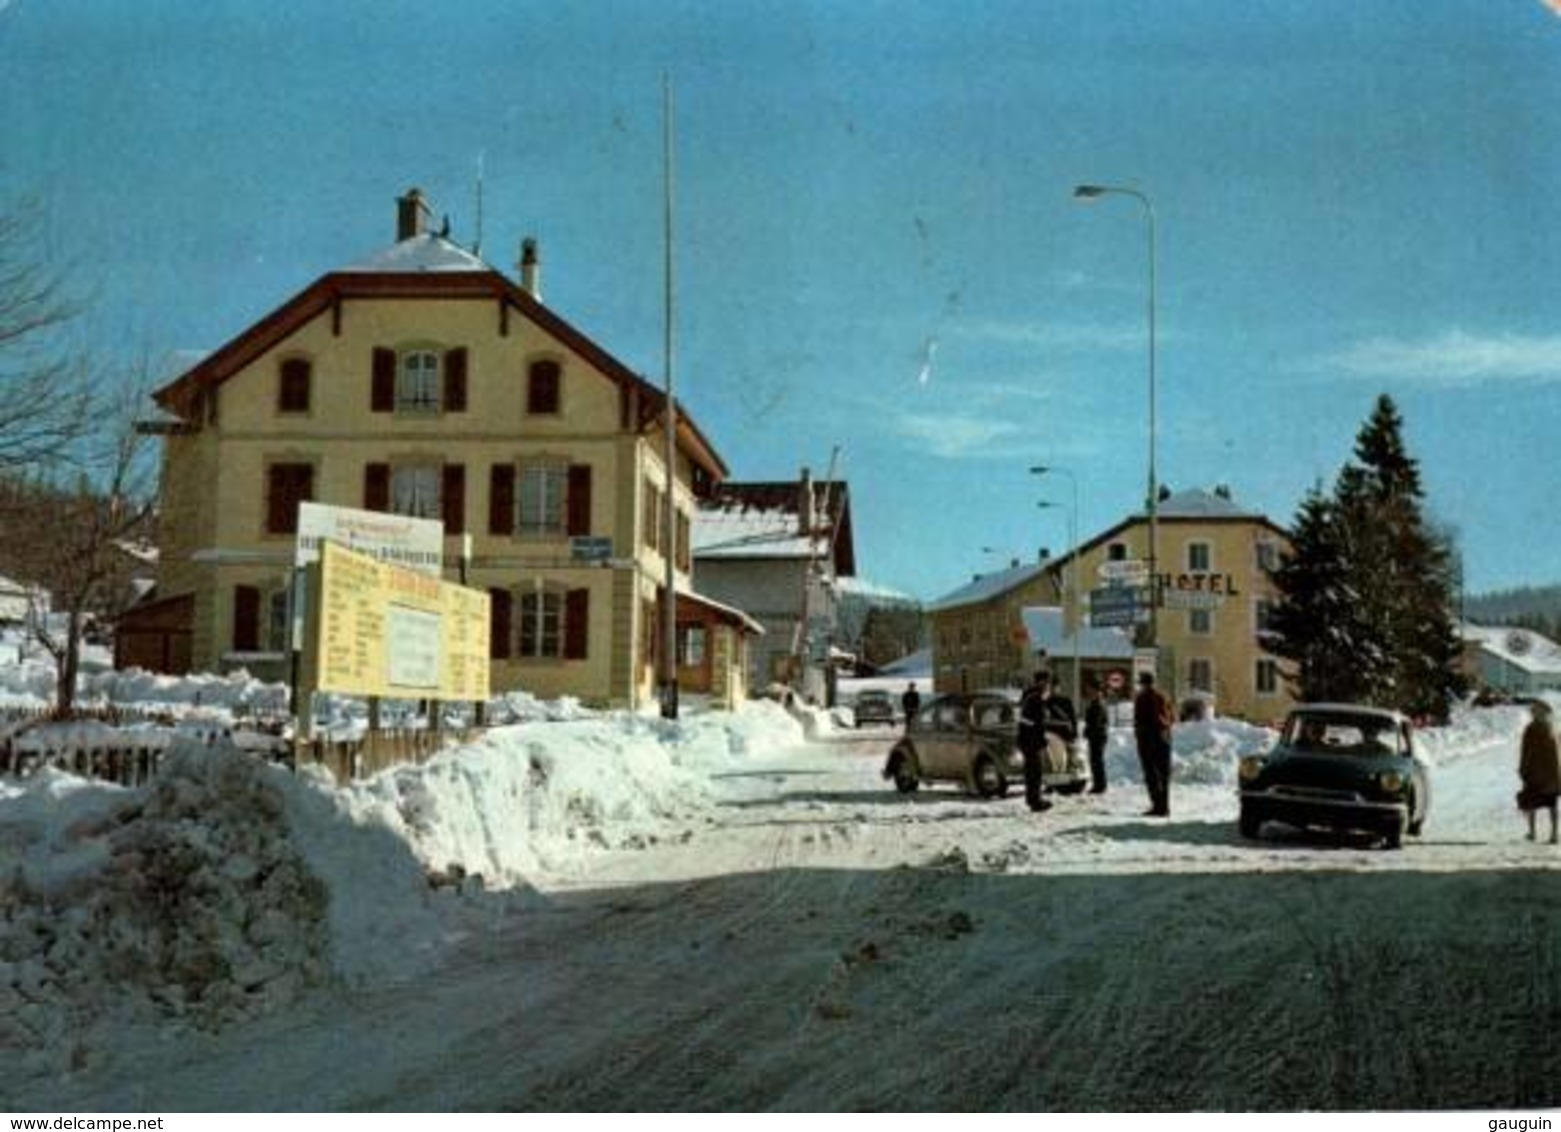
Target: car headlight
[
  {"x": 1391, "y": 781},
  {"x": 1251, "y": 767}
]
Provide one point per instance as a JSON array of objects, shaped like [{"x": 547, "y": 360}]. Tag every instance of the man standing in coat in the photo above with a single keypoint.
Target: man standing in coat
[
  {"x": 1032, "y": 739},
  {"x": 1152, "y": 719},
  {"x": 1097, "y": 728}
]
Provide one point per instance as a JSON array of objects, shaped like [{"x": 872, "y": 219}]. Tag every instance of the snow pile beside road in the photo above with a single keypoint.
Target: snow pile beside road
[
  {"x": 1207, "y": 752},
  {"x": 238, "y": 691},
  {"x": 530, "y": 798},
  {"x": 186, "y": 902},
  {"x": 1472, "y": 731}
]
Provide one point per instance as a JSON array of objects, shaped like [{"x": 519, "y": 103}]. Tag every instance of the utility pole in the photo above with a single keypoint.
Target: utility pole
[{"x": 669, "y": 534}]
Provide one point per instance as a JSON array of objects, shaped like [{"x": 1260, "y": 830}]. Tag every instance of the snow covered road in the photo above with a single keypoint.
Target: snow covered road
[{"x": 824, "y": 943}]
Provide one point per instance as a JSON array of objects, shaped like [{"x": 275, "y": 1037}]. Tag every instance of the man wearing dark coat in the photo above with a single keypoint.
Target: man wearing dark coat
[
  {"x": 1152, "y": 720},
  {"x": 1097, "y": 728},
  {"x": 1032, "y": 739}
]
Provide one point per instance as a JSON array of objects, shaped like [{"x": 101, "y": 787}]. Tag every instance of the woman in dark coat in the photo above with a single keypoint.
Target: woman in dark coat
[{"x": 1539, "y": 766}]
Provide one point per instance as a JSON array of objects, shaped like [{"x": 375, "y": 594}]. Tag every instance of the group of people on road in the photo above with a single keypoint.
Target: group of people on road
[{"x": 1044, "y": 711}]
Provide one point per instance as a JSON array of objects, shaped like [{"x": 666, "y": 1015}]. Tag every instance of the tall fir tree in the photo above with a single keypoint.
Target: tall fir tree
[{"x": 1367, "y": 596}]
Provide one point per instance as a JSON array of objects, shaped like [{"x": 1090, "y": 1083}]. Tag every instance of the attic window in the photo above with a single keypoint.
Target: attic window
[
  {"x": 293, "y": 386},
  {"x": 542, "y": 387}
]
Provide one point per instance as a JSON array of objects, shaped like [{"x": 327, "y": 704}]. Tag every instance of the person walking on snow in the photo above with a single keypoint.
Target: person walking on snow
[
  {"x": 910, "y": 704},
  {"x": 1539, "y": 768},
  {"x": 1152, "y": 720},
  {"x": 1097, "y": 727}
]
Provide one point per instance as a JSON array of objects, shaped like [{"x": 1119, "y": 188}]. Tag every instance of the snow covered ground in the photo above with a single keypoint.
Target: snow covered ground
[{"x": 591, "y": 910}]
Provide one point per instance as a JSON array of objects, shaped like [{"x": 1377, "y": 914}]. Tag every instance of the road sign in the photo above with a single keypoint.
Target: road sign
[
  {"x": 1191, "y": 599},
  {"x": 1113, "y": 606},
  {"x": 1124, "y": 572}
]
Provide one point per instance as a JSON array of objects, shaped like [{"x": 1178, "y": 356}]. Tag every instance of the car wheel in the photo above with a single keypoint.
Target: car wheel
[
  {"x": 989, "y": 781},
  {"x": 904, "y": 776},
  {"x": 1251, "y": 824}
]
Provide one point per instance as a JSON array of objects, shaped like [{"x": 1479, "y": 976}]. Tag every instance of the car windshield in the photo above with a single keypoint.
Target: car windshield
[
  {"x": 992, "y": 713},
  {"x": 1343, "y": 735}
]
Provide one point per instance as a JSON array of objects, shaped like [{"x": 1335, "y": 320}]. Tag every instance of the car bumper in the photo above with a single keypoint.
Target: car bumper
[{"x": 1333, "y": 811}]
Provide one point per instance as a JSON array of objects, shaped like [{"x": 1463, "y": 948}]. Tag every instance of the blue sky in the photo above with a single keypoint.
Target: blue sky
[{"x": 1352, "y": 198}]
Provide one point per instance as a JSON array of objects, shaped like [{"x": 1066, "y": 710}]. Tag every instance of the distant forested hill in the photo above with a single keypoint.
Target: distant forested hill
[{"x": 1533, "y": 607}]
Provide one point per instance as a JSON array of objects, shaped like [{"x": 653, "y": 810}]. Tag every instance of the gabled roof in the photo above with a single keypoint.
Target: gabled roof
[
  {"x": 423, "y": 267},
  {"x": 1192, "y": 506},
  {"x": 987, "y": 586},
  {"x": 1522, "y": 648},
  {"x": 762, "y": 520}
]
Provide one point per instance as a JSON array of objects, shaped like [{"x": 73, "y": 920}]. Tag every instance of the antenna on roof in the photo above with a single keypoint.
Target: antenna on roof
[{"x": 477, "y": 244}]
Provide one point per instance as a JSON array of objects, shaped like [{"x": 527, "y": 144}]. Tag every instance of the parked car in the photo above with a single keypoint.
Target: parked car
[
  {"x": 972, "y": 739},
  {"x": 873, "y": 706},
  {"x": 1339, "y": 766}
]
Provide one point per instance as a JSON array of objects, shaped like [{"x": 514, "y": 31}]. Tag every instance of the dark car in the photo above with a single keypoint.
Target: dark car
[
  {"x": 1342, "y": 767},
  {"x": 972, "y": 739},
  {"x": 873, "y": 706}
]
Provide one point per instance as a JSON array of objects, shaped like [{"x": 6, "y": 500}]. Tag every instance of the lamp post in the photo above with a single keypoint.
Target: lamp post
[
  {"x": 1073, "y": 573},
  {"x": 1090, "y": 193}
]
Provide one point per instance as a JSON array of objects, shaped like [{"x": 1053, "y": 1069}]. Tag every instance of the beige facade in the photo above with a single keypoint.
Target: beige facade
[
  {"x": 978, "y": 634},
  {"x": 1212, "y": 555},
  {"x": 428, "y": 383}
]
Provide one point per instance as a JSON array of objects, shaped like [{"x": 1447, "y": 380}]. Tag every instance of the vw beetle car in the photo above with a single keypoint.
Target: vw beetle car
[
  {"x": 971, "y": 738},
  {"x": 1339, "y": 766},
  {"x": 873, "y": 706}
]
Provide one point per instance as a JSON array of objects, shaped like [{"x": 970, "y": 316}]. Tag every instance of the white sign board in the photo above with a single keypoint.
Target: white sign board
[
  {"x": 413, "y": 544},
  {"x": 1191, "y": 599},
  {"x": 412, "y": 648},
  {"x": 1125, "y": 572}
]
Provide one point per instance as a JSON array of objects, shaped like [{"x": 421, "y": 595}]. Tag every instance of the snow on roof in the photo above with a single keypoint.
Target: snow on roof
[
  {"x": 1521, "y": 648},
  {"x": 1044, "y": 624},
  {"x": 426, "y": 252},
  {"x": 861, "y": 587},
  {"x": 911, "y": 665},
  {"x": 1196, "y": 503},
  {"x": 989, "y": 585},
  {"x": 751, "y": 532}
]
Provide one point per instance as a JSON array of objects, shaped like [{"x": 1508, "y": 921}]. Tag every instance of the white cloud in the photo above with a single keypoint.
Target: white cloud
[
  {"x": 955, "y": 436},
  {"x": 1453, "y": 358}
]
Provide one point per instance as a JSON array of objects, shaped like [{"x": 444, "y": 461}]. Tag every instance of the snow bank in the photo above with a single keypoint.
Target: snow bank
[
  {"x": 31, "y": 683},
  {"x": 227, "y": 887},
  {"x": 1207, "y": 752}
]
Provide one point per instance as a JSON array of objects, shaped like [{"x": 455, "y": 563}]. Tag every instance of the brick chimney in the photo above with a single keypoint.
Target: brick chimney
[
  {"x": 531, "y": 268},
  {"x": 412, "y": 213}
]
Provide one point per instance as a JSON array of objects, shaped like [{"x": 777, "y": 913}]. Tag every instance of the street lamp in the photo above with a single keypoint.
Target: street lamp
[
  {"x": 1090, "y": 193},
  {"x": 1073, "y": 561}
]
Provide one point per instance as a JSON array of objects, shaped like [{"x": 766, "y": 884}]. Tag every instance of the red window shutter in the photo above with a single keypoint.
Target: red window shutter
[
  {"x": 376, "y": 487},
  {"x": 287, "y": 485},
  {"x": 452, "y": 498},
  {"x": 500, "y": 624},
  {"x": 501, "y": 500},
  {"x": 383, "y": 397},
  {"x": 579, "y": 502},
  {"x": 455, "y": 380},
  {"x": 577, "y": 623},
  {"x": 246, "y": 619}
]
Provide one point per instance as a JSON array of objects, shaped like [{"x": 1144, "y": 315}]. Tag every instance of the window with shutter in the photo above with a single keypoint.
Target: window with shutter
[
  {"x": 542, "y": 387},
  {"x": 455, "y": 380},
  {"x": 541, "y": 617},
  {"x": 246, "y": 619},
  {"x": 376, "y": 487},
  {"x": 579, "y": 500},
  {"x": 415, "y": 490},
  {"x": 382, "y": 397},
  {"x": 542, "y": 490},
  {"x": 577, "y": 608},
  {"x": 417, "y": 382},
  {"x": 287, "y": 485},
  {"x": 501, "y": 626},
  {"x": 293, "y": 386},
  {"x": 453, "y": 498},
  {"x": 501, "y": 499}
]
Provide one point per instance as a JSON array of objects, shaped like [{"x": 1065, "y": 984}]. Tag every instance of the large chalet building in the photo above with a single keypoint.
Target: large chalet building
[{"x": 425, "y": 382}]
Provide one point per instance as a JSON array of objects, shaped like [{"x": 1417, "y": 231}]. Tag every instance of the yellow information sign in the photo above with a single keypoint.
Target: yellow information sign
[{"x": 382, "y": 630}]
